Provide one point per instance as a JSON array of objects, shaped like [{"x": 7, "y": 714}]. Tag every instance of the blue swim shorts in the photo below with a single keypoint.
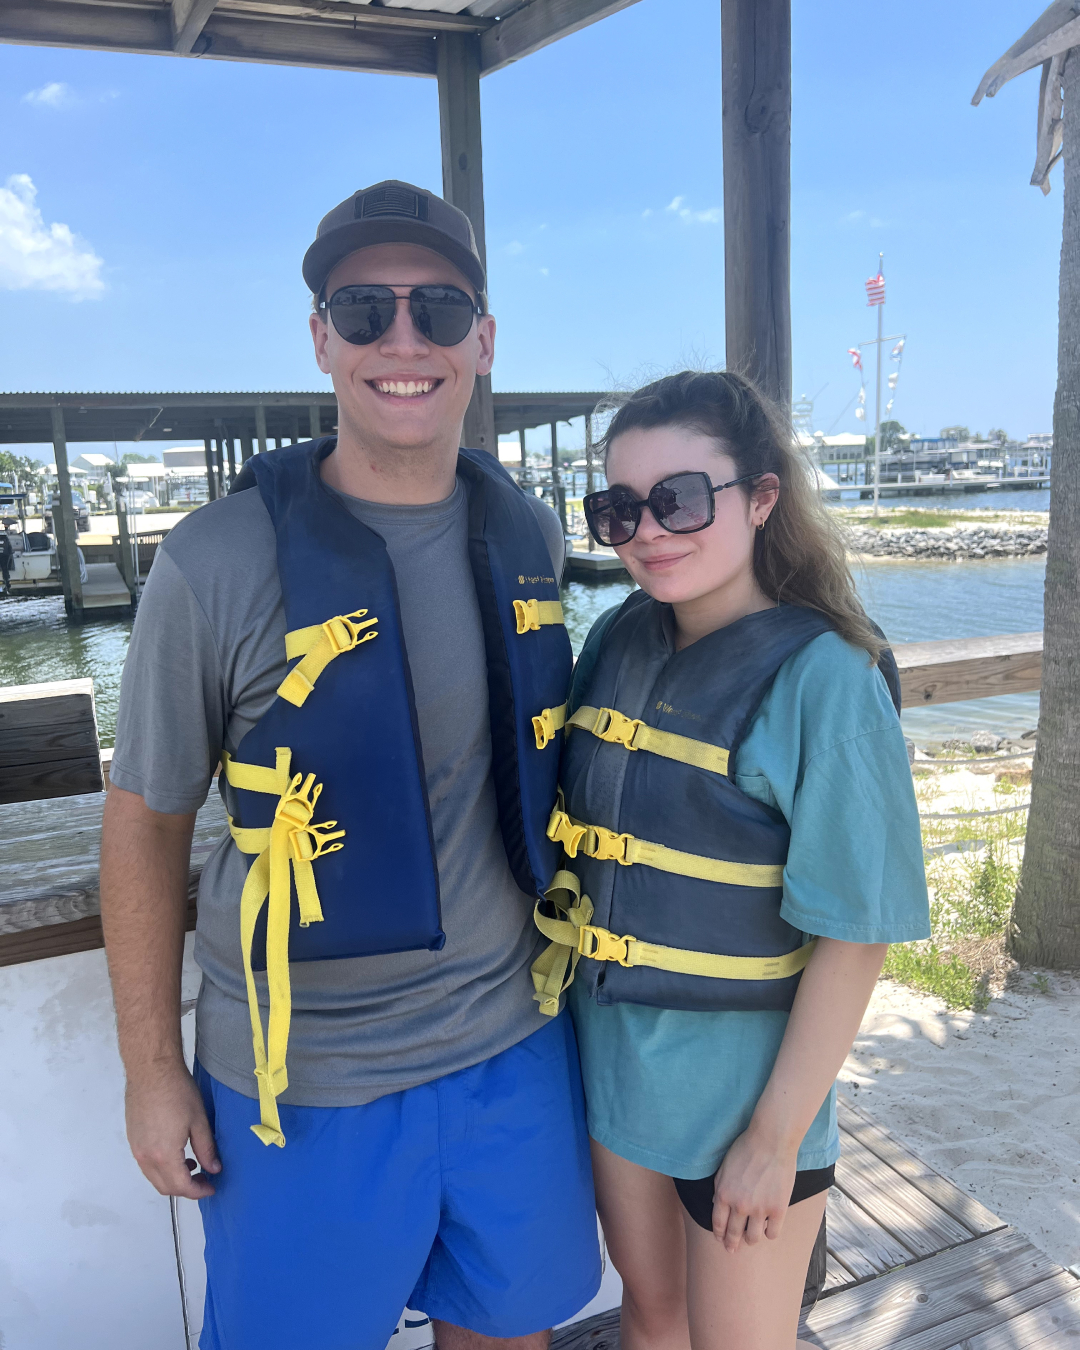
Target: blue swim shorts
[{"x": 469, "y": 1198}]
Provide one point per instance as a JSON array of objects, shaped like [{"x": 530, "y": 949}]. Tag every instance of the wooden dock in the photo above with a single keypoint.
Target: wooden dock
[{"x": 914, "y": 1263}]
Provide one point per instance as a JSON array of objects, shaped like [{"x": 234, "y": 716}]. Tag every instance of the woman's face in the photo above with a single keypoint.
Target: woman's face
[{"x": 676, "y": 568}]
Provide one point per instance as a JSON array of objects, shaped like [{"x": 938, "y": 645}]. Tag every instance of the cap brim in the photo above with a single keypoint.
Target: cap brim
[{"x": 325, "y": 253}]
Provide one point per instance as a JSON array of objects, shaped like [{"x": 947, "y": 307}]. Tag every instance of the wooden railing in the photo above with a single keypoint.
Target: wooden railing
[{"x": 966, "y": 668}]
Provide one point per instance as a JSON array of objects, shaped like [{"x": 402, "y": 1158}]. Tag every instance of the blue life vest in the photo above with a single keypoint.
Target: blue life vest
[
  {"x": 329, "y": 785},
  {"x": 673, "y": 884}
]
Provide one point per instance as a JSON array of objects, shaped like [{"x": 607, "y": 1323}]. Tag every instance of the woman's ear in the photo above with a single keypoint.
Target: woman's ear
[{"x": 765, "y": 495}]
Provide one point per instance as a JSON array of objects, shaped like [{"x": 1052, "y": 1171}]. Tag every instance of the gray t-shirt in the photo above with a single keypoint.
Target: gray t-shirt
[{"x": 206, "y": 656}]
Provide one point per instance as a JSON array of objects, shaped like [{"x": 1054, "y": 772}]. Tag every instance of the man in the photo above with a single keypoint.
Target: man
[{"x": 425, "y": 1144}]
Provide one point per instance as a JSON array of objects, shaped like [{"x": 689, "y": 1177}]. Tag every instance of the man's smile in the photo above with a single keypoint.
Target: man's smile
[{"x": 404, "y": 388}]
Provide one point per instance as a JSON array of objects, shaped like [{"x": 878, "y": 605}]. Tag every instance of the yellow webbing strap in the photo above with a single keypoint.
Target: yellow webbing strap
[
  {"x": 547, "y": 724},
  {"x": 606, "y": 846},
  {"x": 611, "y": 725},
  {"x": 549, "y": 970},
  {"x": 530, "y": 614},
  {"x": 597, "y": 944},
  {"x": 284, "y": 854},
  {"x": 318, "y": 645}
]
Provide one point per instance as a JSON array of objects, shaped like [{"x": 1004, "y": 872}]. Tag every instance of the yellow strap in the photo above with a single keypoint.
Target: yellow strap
[
  {"x": 285, "y": 851},
  {"x": 256, "y": 777},
  {"x": 319, "y": 645},
  {"x": 547, "y": 724},
  {"x": 530, "y": 614},
  {"x": 597, "y": 944},
  {"x": 550, "y": 974},
  {"x": 606, "y": 846},
  {"x": 611, "y": 725}
]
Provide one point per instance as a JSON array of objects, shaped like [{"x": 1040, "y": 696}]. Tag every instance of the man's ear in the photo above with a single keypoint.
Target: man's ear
[
  {"x": 320, "y": 335},
  {"x": 485, "y": 333}
]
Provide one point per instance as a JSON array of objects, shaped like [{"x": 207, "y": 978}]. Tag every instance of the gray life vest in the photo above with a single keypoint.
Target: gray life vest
[{"x": 671, "y": 889}]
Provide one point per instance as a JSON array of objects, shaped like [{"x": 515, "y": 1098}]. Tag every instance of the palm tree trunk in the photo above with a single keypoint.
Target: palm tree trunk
[{"x": 1046, "y": 915}]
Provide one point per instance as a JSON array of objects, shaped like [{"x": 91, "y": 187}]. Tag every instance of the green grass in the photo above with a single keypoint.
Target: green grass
[
  {"x": 970, "y": 907},
  {"x": 914, "y": 519}
]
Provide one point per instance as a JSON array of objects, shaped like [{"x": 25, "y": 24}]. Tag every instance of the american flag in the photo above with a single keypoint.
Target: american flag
[{"x": 875, "y": 290}]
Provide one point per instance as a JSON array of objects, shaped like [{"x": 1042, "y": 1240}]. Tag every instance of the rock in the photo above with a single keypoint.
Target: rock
[
  {"x": 985, "y": 742},
  {"x": 957, "y": 744},
  {"x": 1030, "y": 735},
  {"x": 910, "y": 749}
]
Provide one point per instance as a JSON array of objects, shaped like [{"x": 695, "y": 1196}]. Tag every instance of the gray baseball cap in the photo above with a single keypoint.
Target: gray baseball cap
[{"x": 392, "y": 212}]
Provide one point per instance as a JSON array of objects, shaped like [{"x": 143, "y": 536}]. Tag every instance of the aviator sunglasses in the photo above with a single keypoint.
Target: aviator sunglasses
[
  {"x": 362, "y": 314},
  {"x": 682, "y": 504}
]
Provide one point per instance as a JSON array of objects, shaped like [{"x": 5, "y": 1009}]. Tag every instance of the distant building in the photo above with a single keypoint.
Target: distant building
[
  {"x": 95, "y": 466},
  {"x": 185, "y": 457}
]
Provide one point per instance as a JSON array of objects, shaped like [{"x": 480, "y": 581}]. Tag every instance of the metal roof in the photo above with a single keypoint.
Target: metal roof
[
  {"x": 26, "y": 418},
  {"x": 388, "y": 36}
]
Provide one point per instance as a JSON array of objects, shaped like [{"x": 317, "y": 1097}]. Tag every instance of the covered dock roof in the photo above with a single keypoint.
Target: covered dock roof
[{"x": 27, "y": 419}]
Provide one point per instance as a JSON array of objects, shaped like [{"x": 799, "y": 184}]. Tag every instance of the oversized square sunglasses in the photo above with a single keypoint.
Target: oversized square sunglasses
[
  {"x": 682, "y": 504},
  {"x": 362, "y": 314}
]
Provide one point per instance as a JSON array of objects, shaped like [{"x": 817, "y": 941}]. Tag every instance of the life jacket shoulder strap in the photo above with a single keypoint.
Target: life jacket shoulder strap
[{"x": 615, "y": 727}]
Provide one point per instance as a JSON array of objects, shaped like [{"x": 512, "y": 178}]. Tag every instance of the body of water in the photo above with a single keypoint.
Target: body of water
[
  {"x": 1020, "y": 499},
  {"x": 912, "y": 601}
]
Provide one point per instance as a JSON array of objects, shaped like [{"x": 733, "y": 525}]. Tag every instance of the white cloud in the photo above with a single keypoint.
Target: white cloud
[
  {"x": 514, "y": 248},
  {"x": 713, "y": 216},
  {"x": 55, "y": 95},
  {"x": 37, "y": 256},
  {"x": 545, "y": 271}
]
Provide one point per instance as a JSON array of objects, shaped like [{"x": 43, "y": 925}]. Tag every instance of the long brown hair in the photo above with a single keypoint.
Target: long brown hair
[{"x": 799, "y": 557}]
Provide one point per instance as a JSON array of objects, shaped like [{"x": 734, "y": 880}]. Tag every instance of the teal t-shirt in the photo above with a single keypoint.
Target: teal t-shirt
[{"x": 672, "y": 1090}]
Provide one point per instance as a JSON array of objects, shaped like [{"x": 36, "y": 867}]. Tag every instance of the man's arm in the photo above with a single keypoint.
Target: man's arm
[{"x": 145, "y": 860}]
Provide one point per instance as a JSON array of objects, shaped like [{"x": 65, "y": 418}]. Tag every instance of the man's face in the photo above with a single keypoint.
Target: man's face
[{"x": 372, "y": 382}]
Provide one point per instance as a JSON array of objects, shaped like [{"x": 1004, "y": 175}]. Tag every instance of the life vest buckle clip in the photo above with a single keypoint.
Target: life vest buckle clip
[
  {"x": 616, "y": 727},
  {"x": 527, "y": 616},
  {"x": 606, "y": 846},
  {"x": 599, "y": 945},
  {"x": 562, "y": 830},
  {"x": 343, "y": 631}
]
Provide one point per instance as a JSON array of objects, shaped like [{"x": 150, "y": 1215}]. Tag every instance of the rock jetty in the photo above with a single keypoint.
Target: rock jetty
[{"x": 952, "y": 541}]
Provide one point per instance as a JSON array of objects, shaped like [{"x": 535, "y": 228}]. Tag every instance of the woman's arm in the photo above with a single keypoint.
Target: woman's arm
[{"x": 753, "y": 1186}]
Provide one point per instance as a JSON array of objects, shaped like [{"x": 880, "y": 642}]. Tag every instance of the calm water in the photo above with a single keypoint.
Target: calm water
[
  {"x": 912, "y": 601},
  {"x": 1037, "y": 499}
]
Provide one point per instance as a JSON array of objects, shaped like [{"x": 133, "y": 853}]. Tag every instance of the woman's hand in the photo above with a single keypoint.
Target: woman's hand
[{"x": 752, "y": 1191}]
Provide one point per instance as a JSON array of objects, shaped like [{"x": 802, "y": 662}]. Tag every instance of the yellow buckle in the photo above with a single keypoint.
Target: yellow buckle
[
  {"x": 527, "y": 614},
  {"x": 296, "y": 810},
  {"x": 562, "y": 830},
  {"x": 544, "y": 729},
  {"x": 608, "y": 846},
  {"x": 614, "y": 726},
  {"x": 343, "y": 631},
  {"x": 599, "y": 945}
]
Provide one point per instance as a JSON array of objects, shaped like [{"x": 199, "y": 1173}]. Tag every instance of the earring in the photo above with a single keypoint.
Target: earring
[{"x": 761, "y": 526}]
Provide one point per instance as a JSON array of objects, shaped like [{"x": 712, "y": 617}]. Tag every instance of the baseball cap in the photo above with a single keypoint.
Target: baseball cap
[{"x": 393, "y": 212}]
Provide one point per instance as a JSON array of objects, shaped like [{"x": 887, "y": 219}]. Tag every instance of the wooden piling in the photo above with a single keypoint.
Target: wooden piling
[
  {"x": 67, "y": 550},
  {"x": 211, "y": 475},
  {"x": 315, "y": 421},
  {"x": 260, "y": 427}
]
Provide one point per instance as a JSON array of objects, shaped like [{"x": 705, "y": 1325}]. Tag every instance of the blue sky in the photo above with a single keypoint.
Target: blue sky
[{"x": 176, "y": 197}]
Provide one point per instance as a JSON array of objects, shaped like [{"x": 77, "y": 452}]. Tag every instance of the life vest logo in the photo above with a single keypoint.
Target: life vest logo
[
  {"x": 532, "y": 581},
  {"x": 661, "y": 706}
]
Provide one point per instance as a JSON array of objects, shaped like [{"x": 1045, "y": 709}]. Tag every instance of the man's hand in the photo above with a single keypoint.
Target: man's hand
[{"x": 164, "y": 1113}]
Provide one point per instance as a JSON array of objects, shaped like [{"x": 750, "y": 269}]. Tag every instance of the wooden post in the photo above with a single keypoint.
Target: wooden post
[
  {"x": 246, "y": 448},
  {"x": 260, "y": 427},
  {"x": 67, "y": 550},
  {"x": 230, "y": 441},
  {"x": 756, "y": 47},
  {"x": 211, "y": 476},
  {"x": 315, "y": 421},
  {"x": 590, "y": 476},
  {"x": 458, "y": 69},
  {"x": 128, "y": 570},
  {"x": 556, "y": 479}
]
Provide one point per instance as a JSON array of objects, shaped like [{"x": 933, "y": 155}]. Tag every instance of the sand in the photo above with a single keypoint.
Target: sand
[{"x": 992, "y": 1100}]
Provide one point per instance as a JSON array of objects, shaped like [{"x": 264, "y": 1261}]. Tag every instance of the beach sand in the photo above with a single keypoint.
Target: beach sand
[{"x": 992, "y": 1100}]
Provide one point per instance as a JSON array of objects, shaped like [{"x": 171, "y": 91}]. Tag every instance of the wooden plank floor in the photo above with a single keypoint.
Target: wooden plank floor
[{"x": 915, "y": 1263}]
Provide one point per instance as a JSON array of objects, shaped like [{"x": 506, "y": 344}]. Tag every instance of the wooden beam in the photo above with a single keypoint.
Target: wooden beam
[
  {"x": 315, "y": 421},
  {"x": 67, "y": 548},
  {"x": 188, "y": 18},
  {"x": 48, "y": 741},
  {"x": 538, "y": 23},
  {"x": 967, "y": 668},
  {"x": 366, "y": 15},
  {"x": 326, "y": 43},
  {"x": 756, "y": 54},
  {"x": 458, "y": 71}
]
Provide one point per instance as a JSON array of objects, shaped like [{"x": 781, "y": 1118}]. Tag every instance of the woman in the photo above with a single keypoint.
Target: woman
[{"x": 735, "y": 782}]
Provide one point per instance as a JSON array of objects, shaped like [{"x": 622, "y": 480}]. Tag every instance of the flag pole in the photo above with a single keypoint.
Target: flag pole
[{"x": 877, "y": 427}]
